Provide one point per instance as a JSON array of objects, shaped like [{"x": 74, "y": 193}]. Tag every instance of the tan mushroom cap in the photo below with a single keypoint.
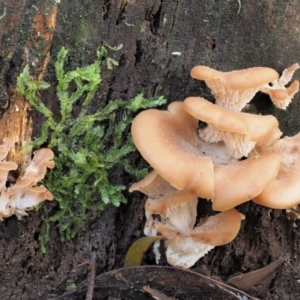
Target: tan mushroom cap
[
  {"x": 167, "y": 231},
  {"x": 220, "y": 229},
  {"x": 153, "y": 185},
  {"x": 240, "y": 182},
  {"x": 233, "y": 90},
  {"x": 279, "y": 94},
  {"x": 159, "y": 206},
  {"x": 5, "y": 147},
  {"x": 239, "y": 131},
  {"x": 215, "y": 230},
  {"x": 27, "y": 198},
  {"x": 161, "y": 194},
  {"x": 282, "y": 97},
  {"x": 257, "y": 127},
  {"x": 168, "y": 141},
  {"x": 183, "y": 250},
  {"x": 24, "y": 182},
  {"x": 237, "y": 80},
  {"x": 43, "y": 157},
  {"x": 37, "y": 189},
  {"x": 5, "y": 167},
  {"x": 284, "y": 191},
  {"x": 7, "y": 207},
  {"x": 37, "y": 168},
  {"x": 8, "y": 165}
]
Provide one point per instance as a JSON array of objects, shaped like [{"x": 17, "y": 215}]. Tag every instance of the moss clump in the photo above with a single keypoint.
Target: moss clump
[{"x": 87, "y": 146}]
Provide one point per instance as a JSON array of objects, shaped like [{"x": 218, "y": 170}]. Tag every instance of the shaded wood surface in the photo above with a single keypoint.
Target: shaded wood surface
[{"x": 226, "y": 35}]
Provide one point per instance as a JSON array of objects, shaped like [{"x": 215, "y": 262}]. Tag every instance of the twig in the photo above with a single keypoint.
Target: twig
[
  {"x": 4, "y": 13},
  {"x": 80, "y": 286},
  {"x": 156, "y": 294},
  {"x": 240, "y": 6},
  {"x": 91, "y": 277},
  {"x": 246, "y": 281}
]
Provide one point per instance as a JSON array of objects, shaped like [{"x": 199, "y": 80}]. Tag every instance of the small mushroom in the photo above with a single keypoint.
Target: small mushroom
[
  {"x": 26, "y": 198},
  {"x": 153, "y": 186},
  {"x": 168, "y": 141},
  {"x": 242, "y": 181},
  {"x": 37, "y": 168},
  {"x": 7, "y": 206},
  {"x": 5, "y": 147},
  {"x": 183, "y": 250},
  {"x": 233, "y": 90},
  {"x": 280, "y": 95},
  {"x": 284, "y": 191},
  {"x": 177, "y": 208},
  {"x": 239, "y": 131},
  {"x": 5, "y": 167}
]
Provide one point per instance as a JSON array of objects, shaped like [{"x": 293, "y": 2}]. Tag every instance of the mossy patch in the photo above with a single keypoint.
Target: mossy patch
[{"x": 87, "y": 146}]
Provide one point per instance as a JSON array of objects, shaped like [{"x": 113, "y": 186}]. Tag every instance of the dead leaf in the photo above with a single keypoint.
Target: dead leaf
[{"x": 136, "y": 251}]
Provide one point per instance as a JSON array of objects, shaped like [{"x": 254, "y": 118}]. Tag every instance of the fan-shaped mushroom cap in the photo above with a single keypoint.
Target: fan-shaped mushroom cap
[
  {"x": 233, "y": 90},
  {"x": 236, "y": 80},
  {"x": 184, "y": 250},
  {"x": 5, "y": 147},
  {"x": 37, "y": 168},
  {"x": 239, "y": 131},
  {"x": 160, "y": 205},
  {"x": 284, "y": 191},
  {"x": 26, "y": 198},
  {"x": 7, "y": 206},
  {"x": 5, "y": 167},
  {"x": 282, "y": 97},
  {"x": 240, "y": 182},
  {"x": 168, "y": 141},
  {"x": 279, "y": 94},
  {"x": 177, "y": 208},
  {"x": 153, "y": 185},
  {"x": 161, "y": 194},
  {"x": 220, "y": 229}
]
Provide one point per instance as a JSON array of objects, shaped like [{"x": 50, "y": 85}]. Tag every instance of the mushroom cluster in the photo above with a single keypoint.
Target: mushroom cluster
[
  {"x": 221, "y": 161},
  {"x": 22, "y": 195}
]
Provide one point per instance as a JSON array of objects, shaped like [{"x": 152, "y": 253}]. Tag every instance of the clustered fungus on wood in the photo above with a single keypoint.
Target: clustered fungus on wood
[
  {"x": 21, "y": 196},
  {"x": 221, "y": 162}
]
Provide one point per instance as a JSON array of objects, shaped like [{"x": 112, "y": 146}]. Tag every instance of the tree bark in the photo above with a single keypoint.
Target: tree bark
[{"x": 162, "y": 40}]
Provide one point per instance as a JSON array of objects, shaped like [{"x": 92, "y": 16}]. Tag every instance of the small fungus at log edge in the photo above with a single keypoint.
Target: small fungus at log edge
[
  {"x": 219, "y": 165},
  {"x": 24, "y": 195}
]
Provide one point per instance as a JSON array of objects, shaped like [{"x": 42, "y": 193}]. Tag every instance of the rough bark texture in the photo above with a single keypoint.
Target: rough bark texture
[{"x": 226, "y": 35}]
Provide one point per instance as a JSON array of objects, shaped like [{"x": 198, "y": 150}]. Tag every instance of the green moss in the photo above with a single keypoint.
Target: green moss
[
  {"x": 87, "y": 146},
  {"x": 143, "y": 28}
]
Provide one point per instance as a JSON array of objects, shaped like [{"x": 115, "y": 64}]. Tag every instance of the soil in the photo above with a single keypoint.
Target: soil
[{"x": 162, "y": 40}]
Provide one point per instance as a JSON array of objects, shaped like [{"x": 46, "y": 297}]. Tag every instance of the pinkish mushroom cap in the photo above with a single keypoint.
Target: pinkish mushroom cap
[
  {"x": 239, "y": 131},
  {"x": 27, "y": 198},
  {"x": 284, "y": 191},
  {"x": 168, "y": 141},
  {"x": 7, "y": 206},
  {"x": 37, "y": 168},
  {"x": 183, "y": 250},
  {"x": 233, "y": 90},
  {"x": 5, "y": 147}
]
